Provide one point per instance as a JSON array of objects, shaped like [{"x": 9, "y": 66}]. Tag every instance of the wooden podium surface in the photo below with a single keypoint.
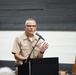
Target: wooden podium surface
[
  {"x": 41, "y": 66},
  {"x": 74, "y": 67}
]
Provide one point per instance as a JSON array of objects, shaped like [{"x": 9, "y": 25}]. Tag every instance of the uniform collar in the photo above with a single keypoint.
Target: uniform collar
[{"x": 25, "y": 37}]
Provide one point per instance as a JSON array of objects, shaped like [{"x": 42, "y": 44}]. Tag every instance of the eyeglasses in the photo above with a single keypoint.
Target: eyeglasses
[{"x": 31, "y": 25}]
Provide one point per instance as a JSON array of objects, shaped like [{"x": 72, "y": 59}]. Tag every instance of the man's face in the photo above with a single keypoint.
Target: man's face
[{"x": 30, "y": 27}]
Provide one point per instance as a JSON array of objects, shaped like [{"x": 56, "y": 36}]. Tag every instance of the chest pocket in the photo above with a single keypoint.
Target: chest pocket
[{"x": 25, "y": 47}]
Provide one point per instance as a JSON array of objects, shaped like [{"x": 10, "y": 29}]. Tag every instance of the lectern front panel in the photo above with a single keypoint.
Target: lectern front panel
[
  {"x": 41, "y": 66},
  {"x": 46, "y": 66}
]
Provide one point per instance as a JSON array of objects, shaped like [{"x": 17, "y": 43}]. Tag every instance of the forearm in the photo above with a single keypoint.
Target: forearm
[{"x": 19, "y": 57}]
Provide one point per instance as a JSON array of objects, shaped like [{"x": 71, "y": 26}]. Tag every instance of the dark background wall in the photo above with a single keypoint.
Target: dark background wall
[{"x": 49, "y": 14}]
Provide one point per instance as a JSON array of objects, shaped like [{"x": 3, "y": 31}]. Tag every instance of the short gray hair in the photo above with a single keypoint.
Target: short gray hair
[
  {"x": 29, "y": 19},
  {"x": 6, "y": 71}
]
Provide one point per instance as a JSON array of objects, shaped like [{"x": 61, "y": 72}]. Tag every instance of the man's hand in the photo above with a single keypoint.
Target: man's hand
[{"x": 43, "y": 47}]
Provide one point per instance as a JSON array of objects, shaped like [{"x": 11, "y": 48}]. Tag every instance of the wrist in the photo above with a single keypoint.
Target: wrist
[{"x": 42, "y": 52}]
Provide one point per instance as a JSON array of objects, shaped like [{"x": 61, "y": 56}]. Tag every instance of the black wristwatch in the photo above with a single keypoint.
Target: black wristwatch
[{"x": 42, "y": 52}]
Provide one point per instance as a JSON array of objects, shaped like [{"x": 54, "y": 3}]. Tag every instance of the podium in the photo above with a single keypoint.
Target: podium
[{"x": 40, "y": 66}]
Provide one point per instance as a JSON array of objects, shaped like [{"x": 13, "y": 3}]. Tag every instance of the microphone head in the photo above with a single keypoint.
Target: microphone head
[
  {"x": 40, "y": 36},
  {"x": 37, "y": 33}
]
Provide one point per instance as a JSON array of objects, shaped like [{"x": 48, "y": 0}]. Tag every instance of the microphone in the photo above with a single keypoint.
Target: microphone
[{"x": 40, "y": 36}]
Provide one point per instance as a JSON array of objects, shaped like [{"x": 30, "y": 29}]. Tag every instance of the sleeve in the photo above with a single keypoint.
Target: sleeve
[{"x": 16, "y": 46}]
